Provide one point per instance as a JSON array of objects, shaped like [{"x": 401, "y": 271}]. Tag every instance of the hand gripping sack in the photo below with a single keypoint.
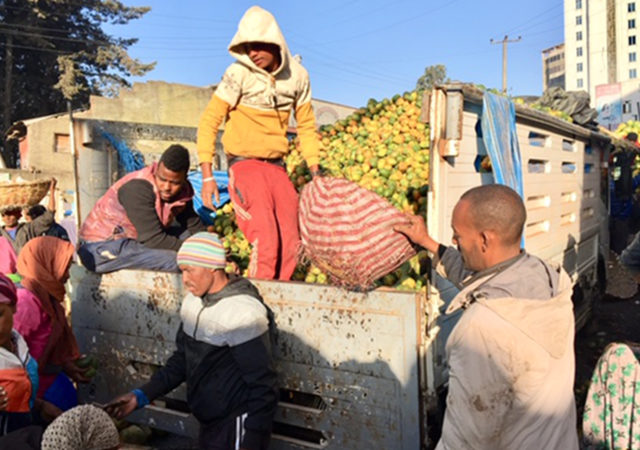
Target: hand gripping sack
[{"x": 347, "y": 231}]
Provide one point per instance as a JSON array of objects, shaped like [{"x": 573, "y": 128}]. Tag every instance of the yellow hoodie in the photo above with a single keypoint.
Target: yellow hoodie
[{"x": 256, "y": 103}]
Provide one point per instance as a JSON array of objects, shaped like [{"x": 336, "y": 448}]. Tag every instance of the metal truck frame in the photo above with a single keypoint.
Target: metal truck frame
[{"x": 364, "y": 370}]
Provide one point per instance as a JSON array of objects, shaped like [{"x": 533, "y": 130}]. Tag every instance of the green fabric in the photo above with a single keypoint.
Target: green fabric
[
  {"x": 16, "y": 278},
  {"x": 611, "y": 417}
]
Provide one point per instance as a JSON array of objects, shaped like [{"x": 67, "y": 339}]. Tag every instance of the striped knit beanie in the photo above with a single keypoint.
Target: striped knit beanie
[{"x": 203, "y": 250}]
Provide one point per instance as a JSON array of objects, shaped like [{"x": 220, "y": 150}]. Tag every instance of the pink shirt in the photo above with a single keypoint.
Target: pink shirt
[
  {"x": 35, "y": 327},
  {"x": 7, "y": 256}
]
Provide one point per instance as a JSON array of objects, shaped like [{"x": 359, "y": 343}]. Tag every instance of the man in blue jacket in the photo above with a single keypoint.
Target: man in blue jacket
[{"x": 223, "y": 353}]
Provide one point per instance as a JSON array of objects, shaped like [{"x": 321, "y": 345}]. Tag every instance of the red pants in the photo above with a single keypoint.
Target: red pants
[{"x": 266, "y": 207}]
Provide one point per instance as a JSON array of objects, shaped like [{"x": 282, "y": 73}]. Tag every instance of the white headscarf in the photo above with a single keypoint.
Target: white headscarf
[{"x": 84, "y": 427}]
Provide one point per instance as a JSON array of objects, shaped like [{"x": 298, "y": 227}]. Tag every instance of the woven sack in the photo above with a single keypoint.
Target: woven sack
[
  {"x": 22, "y": 194},
  {"x": 347, "y": 231}
]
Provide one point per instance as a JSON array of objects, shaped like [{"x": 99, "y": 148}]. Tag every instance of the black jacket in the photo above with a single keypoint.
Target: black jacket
[
  {"x": 224, "y": 355},
  {"x": 139, "y": 202}
]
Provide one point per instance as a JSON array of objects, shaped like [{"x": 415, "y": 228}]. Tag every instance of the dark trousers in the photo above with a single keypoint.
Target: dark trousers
[
  {"x": 226, "y": 435},
  {"x": 619, "y": 231},
  {"x": 118, "y": 254}
]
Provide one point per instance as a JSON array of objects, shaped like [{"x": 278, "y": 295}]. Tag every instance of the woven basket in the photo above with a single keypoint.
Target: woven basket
[{"x": 23, "y": 194}]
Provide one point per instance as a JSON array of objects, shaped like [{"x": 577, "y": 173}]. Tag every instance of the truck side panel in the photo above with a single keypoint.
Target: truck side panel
[
  {"x": 562, "y": 193},
  {"x": 348, "y": 362}
]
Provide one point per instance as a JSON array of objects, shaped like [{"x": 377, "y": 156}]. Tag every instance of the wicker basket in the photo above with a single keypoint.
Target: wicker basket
[{"x": 23, "y": 194}]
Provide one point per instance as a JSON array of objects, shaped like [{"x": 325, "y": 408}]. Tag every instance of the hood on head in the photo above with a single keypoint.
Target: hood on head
[{"x": 258, "y": 25}]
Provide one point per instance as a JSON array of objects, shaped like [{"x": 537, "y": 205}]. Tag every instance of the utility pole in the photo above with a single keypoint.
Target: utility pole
[{"x": 504, "y": 43}]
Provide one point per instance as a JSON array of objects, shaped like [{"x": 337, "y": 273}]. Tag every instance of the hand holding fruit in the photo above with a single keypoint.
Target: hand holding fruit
[{"x": 82, "y": 369}]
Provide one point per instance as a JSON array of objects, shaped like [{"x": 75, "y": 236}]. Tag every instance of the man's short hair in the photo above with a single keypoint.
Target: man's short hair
[
  {"x": 12, "y": 211},
  {"x": 36, "y": 211},
  {"x": 176, "y": 158},
  {"x": 498, "y": 208}
]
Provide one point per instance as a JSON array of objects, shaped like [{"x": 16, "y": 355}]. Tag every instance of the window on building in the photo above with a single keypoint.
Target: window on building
[
  {"x": 631, "y": 23},
  {"x": 633, "y": 73},
  {"x": 579, "y": 36},
  {"x": 578, "y": 4},
  {"x": 626, "y": 107},
  {"x": 579, "y": 82},
  {"x": 61, "y": 143},
  {"x": 632, "y": 57},
  {"x": 578, "y": 20},
  {"x": 579, "y": 51},
  {"x": 579, "y": 67},
  {"x": 631, "y": 7},
  {"x": 632, "y": 40}
]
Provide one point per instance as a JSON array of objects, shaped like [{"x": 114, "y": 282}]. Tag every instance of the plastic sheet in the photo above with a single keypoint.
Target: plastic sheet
[{"x": 222, "y": 180}]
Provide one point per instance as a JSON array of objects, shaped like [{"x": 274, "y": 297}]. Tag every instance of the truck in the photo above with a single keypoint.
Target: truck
[{"x": 367, "y": 369}]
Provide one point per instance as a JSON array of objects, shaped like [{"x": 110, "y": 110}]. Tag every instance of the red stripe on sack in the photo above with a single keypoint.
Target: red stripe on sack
[{"x": 348, "y": 231}]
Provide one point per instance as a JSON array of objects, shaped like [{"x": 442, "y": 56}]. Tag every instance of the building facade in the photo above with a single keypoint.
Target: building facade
[
  {"x": 602, "y": 43},
  {"x": 553, "y": 67},
  {"x": 147, "y": 118}
]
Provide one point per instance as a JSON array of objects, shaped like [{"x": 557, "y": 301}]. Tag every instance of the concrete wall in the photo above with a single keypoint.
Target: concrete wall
[
  {"x": 174, "y": 104},
  {"x": 154, "y": 102}
]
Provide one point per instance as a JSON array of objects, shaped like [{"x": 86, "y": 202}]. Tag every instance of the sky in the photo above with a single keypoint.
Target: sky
[{"x": 355, "y": 50}]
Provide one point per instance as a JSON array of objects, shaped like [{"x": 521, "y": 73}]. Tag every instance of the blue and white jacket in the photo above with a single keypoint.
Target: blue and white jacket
[
  {"x": 19, "y": 378},
  {"x": 224, "y": 355}
]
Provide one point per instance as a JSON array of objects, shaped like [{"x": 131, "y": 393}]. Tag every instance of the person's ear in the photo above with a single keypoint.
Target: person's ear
[{"x": 486, "y": 239}]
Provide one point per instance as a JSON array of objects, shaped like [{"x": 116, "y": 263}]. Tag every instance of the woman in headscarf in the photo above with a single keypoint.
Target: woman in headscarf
[
  {"x": 18, "y": 372},
  {"x": 44, "y": 265},
  {"x": 80, "y": 428}
]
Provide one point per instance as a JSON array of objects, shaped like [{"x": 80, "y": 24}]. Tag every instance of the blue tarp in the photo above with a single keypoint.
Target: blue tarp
[
  {"x": 222, "y": 180},
  {"x": 128, "y": 160},
  {"x": 132, "y": 160},
  {"x": 501, "y": 141}
]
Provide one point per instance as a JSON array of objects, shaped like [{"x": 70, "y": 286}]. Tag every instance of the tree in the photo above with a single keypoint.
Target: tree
[
  {"x": 432, "y": 76},
  {"x": 54, "y": 51}
]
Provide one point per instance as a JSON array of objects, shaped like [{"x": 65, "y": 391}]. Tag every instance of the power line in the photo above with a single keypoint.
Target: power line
[
  {"x": 534, "y": 17},
  {"x": 39, "y": 49},
  {"x": 57, "y": 38},
  {"x": 394, "y": 24}
]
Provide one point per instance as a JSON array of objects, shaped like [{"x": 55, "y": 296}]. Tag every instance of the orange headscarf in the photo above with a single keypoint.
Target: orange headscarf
[{"x": 43, "y": 263}]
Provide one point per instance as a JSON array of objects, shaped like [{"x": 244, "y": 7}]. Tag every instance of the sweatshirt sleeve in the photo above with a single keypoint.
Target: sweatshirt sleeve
[
  {"x": 256, "y": 365},
  {"x": 171, "y": 374},
  {"x": 306, "y": 126},
  {"x": 139, "y": 202},
  {"x": 190, "y": 220},
  {"x": 210, "y": 122},
  {"x": 449, "y": 264}
]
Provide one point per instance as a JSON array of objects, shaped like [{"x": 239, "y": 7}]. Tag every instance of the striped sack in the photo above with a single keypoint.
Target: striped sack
[{"x": 347, "y": 231}]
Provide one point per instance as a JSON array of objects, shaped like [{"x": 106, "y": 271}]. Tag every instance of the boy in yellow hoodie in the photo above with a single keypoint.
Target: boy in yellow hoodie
[{"x": 256, "y": 96}]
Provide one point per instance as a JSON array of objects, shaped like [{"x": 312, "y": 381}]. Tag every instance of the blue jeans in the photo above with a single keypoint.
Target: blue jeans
[
  {"x": 630, "y": 256},
  {"x": 118, "y": 254}
]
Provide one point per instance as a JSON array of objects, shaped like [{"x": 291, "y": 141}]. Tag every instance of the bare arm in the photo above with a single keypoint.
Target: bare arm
[
  {"x": 416, "y": 231},
  {"x": 52, "y": 195}
]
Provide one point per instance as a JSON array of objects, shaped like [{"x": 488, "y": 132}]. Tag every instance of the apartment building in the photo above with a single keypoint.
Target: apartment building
[
  {"x": 602, "y": 43},
  {"x": 553, "y": 67}
]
